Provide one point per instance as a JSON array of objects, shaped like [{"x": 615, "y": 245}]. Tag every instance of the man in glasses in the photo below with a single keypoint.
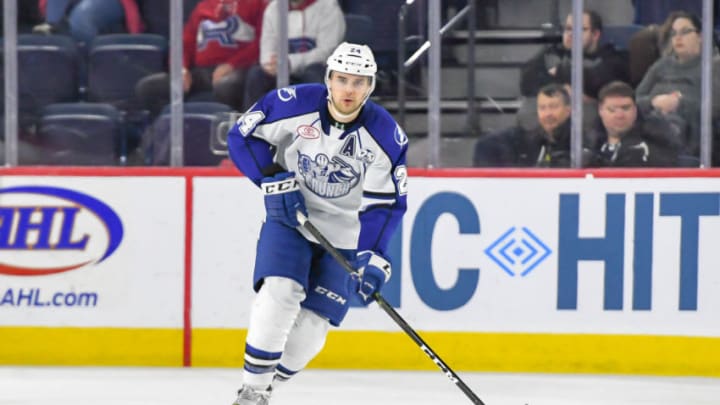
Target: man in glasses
[{"x": 601, "y": 65}]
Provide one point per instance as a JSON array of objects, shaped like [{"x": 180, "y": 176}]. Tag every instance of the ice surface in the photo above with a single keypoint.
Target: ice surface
[{"x": 194, "y": 386}]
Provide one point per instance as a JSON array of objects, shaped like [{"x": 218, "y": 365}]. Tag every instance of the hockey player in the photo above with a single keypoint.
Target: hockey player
[{"x": 338, "y": 158}]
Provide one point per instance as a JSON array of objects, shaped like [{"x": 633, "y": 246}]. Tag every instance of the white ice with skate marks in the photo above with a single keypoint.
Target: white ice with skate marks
[{"x": 195, "y": 386}]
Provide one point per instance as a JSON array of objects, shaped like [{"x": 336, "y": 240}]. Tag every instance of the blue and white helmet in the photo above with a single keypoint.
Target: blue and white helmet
[{"x": 354, "y": 59}]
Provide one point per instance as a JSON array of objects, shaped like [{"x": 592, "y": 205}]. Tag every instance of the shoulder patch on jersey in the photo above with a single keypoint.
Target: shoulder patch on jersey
[
  {"x": 292, "y": 101},
  {"x": 400, "y": 136},
  {"x": 286, "y": 94}
]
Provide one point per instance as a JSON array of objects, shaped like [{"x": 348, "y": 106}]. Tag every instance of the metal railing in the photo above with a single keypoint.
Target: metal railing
[{"x": 435, "y": 37}]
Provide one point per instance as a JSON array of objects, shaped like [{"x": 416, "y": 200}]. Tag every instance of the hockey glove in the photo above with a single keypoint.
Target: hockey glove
[
  {"x": 283, "y": 198},
  {"x": 374, "y": 271}
]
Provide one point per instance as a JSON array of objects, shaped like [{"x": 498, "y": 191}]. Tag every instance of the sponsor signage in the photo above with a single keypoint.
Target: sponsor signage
[
  {"x": 513, "y": 255},
  {"x": 473, "y": 254},
  {"x": 47, "y": 230},
  {"x": 92, "y": 251}
]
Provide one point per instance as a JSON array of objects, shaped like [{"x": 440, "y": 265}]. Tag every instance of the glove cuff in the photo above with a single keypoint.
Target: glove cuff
[
  {"x": 287, "y": 185},
  {"x": 377, "y": 261}
]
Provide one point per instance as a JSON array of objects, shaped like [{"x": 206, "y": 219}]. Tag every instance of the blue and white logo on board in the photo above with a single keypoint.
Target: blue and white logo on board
[
  {"x": 48, "y": 230},
  {"x": 518, "y": 251}
]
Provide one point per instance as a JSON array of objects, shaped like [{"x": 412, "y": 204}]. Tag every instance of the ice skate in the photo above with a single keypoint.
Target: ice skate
[{"x": 250, "y": 396}]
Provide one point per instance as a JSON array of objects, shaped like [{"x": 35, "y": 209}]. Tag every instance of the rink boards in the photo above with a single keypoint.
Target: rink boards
[{"x": 552, "y": 271}]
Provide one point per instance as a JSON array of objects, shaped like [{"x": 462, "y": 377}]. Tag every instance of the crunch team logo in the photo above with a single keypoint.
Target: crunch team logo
[{"x": 47, "y": 230}]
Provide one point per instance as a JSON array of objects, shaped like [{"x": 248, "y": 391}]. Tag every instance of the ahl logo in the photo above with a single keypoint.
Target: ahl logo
[{"x": 47, "y": 230}]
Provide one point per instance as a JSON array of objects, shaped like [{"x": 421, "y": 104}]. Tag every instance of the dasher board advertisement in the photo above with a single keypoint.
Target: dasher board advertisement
[
  {"x": 518, "y": 255},
  {"x": 92, "y": 251}
]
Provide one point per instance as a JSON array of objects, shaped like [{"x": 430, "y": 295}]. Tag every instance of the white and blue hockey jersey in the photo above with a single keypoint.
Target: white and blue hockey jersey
[{"x": 354, "y": 180}]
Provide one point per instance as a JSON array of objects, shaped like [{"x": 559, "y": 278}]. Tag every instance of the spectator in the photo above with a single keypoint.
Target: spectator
[
  {"x": 315, "y": 28},
  {"x": 671, "y": 87},
  {"x": 85, "y": 19},
  {"x": 601, "y": 65},
  {"x": 646, "y": 46},
  {"x": 547, "y": 145},
  {"x": 221, "y": 40},
  {"x": 624, "y": 139}
]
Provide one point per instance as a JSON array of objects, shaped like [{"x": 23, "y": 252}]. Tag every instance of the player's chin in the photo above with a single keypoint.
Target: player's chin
[{"x": 349, "y": 108}]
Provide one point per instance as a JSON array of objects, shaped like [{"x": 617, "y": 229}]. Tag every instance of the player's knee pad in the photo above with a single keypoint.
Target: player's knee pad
[
  {"x": 274, "y": 312},
  {"x": 282, "y": 291},
  {"x": 305, "y": 341}
]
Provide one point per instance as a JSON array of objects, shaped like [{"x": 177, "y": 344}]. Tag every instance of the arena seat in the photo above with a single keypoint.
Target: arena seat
[
  {"x": 359, "y": 29},
  {"x": 89, "y": 134},
  {"x": 116, "y": 62},
  {"x": 200, "y": 119},
  {"x": 619, "y": 35},
  {"x": 384, "y": 15},
  {"x": 47, "y": 71}
]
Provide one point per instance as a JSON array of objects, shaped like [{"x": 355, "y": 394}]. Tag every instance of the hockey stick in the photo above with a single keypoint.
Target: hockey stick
[{"x": 305, "y": 223}]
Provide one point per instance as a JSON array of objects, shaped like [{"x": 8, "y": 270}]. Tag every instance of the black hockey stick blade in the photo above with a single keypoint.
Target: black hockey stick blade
[{"x": 305, "y": 223}]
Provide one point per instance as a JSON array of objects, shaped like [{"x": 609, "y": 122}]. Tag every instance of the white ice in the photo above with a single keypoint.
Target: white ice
[{"x": 195, "y": 386}]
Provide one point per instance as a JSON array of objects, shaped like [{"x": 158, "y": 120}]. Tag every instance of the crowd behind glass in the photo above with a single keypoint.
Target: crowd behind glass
[{"x": 642, "y": 99}]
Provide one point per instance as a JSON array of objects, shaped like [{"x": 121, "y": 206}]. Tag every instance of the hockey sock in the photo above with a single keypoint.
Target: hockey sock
[
  {"x": 304, "y": 342},
  {"x": 273, "y": 314}
]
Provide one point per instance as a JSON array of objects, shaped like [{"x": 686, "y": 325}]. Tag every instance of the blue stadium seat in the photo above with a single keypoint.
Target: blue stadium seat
[
  {"x": 47, "y": 71},
  {"x": 156, "y": 14},
  {"x": 384, "y": 15},
  {"x": 359, "y": 29},
  {"x": 656, "y": 11},
  {"x": 199, "y": 121},
  {"x": 116, "y": 62},
  {"x": 85, "y": 134},
  {"x": 619, "y": 35}
]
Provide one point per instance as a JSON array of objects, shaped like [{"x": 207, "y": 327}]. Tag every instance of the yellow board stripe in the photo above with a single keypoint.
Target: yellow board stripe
[
  {"x": 91, "y": 346},
  {"x": 500, "y": 352},
  {"x": 555, "y": 353}
]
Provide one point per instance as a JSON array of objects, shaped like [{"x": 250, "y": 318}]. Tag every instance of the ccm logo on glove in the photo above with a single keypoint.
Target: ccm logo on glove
[
  {"x": 280, "y": 187},
  {"x": 283, "y": 198}
]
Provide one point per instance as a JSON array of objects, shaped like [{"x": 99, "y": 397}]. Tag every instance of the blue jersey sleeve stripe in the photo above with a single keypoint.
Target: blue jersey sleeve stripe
[{"x": 379, "y": 196}]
